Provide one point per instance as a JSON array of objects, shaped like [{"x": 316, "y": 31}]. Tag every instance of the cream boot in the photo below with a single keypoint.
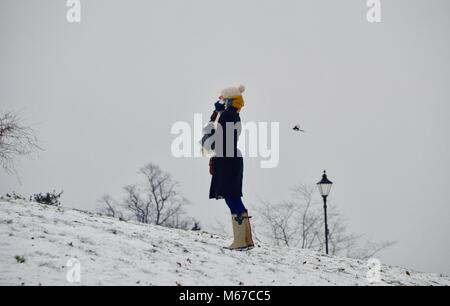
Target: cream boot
[
  {"x": 248, "y": 231},
  {"x": 239, "y": 243}
]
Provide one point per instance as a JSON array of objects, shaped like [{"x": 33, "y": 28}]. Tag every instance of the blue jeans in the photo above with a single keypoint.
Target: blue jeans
[{"x": 236, "y": 206}]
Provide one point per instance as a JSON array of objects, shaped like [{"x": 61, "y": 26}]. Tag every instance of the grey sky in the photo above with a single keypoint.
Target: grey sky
[{"x": 374, "y": 99}]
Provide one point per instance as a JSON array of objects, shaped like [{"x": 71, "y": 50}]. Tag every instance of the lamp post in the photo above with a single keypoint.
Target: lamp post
[{"x": 324, "y": 187}]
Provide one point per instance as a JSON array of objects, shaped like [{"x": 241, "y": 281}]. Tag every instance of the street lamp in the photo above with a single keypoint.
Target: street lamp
[{"x": 324, "y": 187}]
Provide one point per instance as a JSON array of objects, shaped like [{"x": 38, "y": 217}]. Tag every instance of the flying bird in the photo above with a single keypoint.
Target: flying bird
[{"x": 298, "y": 129}]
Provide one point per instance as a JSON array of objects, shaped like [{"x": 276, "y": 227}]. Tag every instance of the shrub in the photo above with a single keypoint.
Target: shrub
[
  {"x": 20, "y": 259},
  {"x": 196, "y": 227},
  {"x": 13, "y": 196},
  {"x": 48, "y": 198}
]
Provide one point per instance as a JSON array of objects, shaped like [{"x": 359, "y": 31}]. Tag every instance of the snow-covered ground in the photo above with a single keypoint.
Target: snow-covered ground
[{"x": 114, "y": 252}]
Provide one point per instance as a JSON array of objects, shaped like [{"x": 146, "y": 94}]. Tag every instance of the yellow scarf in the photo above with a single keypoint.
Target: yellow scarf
[{"x": 237, "y": 103}]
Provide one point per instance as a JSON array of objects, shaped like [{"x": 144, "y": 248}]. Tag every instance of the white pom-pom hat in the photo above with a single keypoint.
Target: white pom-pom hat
[{"x": 232, "y": 91}]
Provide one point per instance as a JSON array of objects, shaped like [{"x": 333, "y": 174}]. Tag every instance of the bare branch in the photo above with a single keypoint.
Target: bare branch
[
  {"x": 16, "y": 140},
  {"x": 155, "y": 200},
  {"x": 109, "y": 207},
  {"x": 300, "y": 223}
]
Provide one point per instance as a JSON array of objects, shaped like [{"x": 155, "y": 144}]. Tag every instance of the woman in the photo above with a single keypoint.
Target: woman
[{"x": 227, "y": 165}]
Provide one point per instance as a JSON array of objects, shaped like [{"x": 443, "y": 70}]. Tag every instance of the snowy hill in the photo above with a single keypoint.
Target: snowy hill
[{"x": 113, "y": 252}]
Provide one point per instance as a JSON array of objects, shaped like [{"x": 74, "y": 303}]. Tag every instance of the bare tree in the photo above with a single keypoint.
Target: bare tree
[
  {"x": 219, "y": 228},
  {"x": 154, "y": 200},
  {"x": 109, "y": 207},
  {"x": 369, "y": 249},
  {"x": 134, "y": 203},
  {"x": 300, "y": 223},
  {"x": 160, "y": 190},
  {"x": 16, "y": 140},
  {"x": 181, "y": 222},
  {"x": 281, "y": 222}
]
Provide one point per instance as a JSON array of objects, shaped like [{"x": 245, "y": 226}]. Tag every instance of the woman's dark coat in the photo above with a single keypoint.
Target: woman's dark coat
[{"x": 228, "y": 171}]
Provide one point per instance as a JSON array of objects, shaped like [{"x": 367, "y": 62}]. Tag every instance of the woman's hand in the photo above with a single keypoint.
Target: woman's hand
[{"x": 219, "y": 106}]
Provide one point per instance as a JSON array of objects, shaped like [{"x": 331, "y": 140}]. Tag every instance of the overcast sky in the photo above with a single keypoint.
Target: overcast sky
[{"x": 374, "y": 99}]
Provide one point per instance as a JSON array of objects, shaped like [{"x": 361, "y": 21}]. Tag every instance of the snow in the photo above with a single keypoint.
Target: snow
[{"x": 114, "y": 252}]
